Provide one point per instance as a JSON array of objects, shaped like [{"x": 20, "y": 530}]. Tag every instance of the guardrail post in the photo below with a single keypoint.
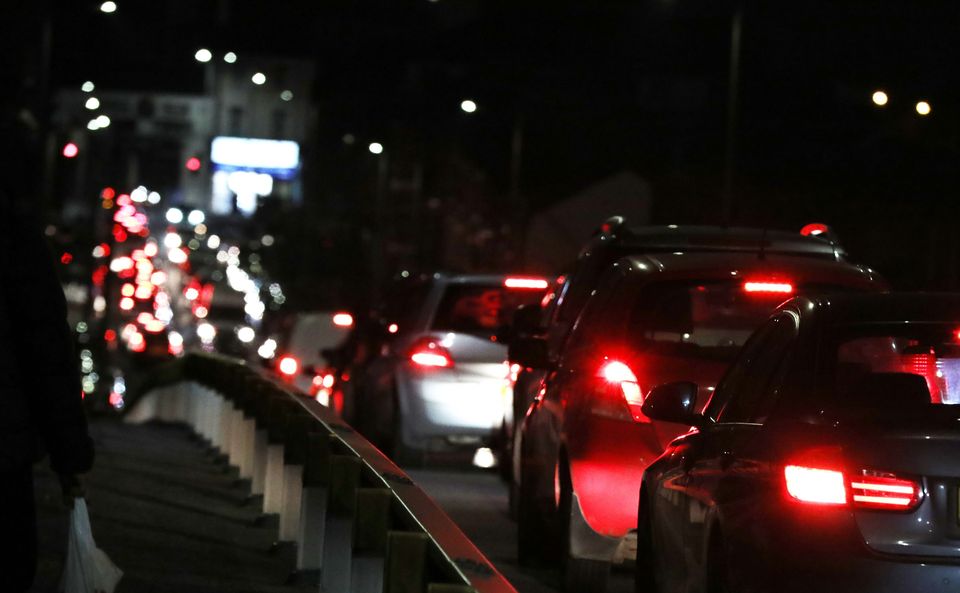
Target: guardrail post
[
  {"x": 313, "y": 505},
  {"x": 370, "y": 526},
  {"x": 298, "y": 425},
  {"x": 273, "y": 482},
  {"x": 338, "y": 537},
  {"x": 406, "y": 562}
]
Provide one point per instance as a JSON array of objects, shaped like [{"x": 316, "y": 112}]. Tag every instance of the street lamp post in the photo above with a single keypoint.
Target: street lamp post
[{"x": 733, "y": 84}]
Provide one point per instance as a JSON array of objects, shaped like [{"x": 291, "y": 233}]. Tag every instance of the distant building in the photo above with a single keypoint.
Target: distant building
[{"x": 163, "y": 140}]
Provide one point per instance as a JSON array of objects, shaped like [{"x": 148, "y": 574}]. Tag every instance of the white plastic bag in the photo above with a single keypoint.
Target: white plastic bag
[{"x": 88, "y": 569}]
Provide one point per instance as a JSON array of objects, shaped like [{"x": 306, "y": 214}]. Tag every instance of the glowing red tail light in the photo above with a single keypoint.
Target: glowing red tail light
[
  {"x": 429, "y": 354},
  {"x": 343, "y": 320},
  {"x": 767, "y": 287},
  {"x": 526, "y": 283},
  {"x": 815, "y": 485},
  {"x": 618, "y": 373},
  {"x": 868, "y": 490},
  {"x": 880, "y": 490},
  {"x": 289, "y": 365}
]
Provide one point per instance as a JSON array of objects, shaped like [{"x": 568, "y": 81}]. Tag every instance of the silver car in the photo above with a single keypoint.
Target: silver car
[
  {"x": 828, "y": 458},
  {"x": 441, "y": 386}
]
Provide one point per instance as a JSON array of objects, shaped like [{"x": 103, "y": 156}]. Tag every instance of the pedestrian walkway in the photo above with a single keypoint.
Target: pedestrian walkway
[{"x": 169, "y": 514}]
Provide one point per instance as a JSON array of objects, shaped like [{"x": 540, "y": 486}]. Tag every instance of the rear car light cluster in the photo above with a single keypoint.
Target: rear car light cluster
[
  {"x": 427, "y": 353},
  {"x": 619, "y": 374},
  {"x": 868, "y": 489}
]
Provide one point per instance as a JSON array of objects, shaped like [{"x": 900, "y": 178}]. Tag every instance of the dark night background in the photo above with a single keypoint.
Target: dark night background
[{"x": 595, "y": 88}]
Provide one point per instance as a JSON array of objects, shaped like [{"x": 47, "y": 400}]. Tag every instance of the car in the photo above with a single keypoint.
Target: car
[
  {"x": 651, "y": 319},
  {"x": 299, "y": 360},
  {"x": 827, "y": 457},
  {"x": 614, "y": 239},
  {"x": 437, "y": 388}
]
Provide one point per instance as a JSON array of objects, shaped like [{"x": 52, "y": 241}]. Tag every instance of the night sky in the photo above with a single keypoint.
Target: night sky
[{"x": 598, "y": 87}]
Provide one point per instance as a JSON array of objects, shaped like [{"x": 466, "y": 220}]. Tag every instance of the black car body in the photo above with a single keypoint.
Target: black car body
[{"x": 828, "y": 457}]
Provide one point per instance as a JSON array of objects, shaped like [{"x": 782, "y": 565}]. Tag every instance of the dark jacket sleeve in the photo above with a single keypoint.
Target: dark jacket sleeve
[{"x": 37, "y": 312}]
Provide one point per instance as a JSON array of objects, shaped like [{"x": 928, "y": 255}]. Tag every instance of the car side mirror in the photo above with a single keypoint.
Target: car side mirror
[
  {"x": 526, "y": 320},
  {"x": 674, "y": 402},
  {"x": 530, "y": 352}
]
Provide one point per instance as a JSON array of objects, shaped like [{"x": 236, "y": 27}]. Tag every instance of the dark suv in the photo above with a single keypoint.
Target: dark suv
[{"x": 651, "y": 319}]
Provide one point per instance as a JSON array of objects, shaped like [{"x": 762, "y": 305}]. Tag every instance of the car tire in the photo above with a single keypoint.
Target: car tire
[
  {"x": 513, "y": 500},
  {"x": 533, "y": 525},
  {"x": 401, "y": 453},
  {"x": 580, "y": 574},
  {"x": 644, "y": 576},
  {"x": 719, "y": 577}
]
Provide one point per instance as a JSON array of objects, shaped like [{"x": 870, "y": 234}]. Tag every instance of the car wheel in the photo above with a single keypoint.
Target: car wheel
[
  {"x": 580, "y": 574},
  {"x": 719, "y": 575},
  {"x": 401, "y": 453},
  {"x": 533, "y": 526},
  {"x": 644, "y": 576}
]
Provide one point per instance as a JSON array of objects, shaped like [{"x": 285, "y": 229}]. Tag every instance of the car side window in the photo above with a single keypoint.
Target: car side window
[
  {"x": 752, "y": 386},
  {"x": 600, "y": 323}
]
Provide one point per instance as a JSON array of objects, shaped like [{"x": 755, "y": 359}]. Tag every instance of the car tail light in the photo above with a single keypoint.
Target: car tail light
[
  {"x": 526, "y": 283},
  {"x": 343, "y": 320},
  {"x": 289, "y": 365},
  {"x": 137, "y": 342},
  {"x": 881, "y": 490},
  {"x": 618, "y": 373},
  {"x": 868, "y": 490},
  {"x": 815, "y": 485},
  {"x": 429, "y": 354},
  {"x": 764, "y": 286}
]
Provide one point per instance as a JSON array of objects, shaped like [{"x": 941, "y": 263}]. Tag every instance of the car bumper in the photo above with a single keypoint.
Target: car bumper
[
  {"x": 442, "y": 407},
  {"x": 805, "y": 547}
]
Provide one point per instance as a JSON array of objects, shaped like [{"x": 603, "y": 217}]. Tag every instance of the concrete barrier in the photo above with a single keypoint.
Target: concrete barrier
[{"x": 358, "y": 522}]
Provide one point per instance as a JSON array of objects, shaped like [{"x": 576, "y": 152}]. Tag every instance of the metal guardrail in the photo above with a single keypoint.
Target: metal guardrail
[{"x": 359, "y": 523}]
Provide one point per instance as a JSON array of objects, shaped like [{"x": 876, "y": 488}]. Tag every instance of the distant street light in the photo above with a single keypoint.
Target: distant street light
[
  {"x": 287, "y": 95},
  {"x": 87, "y": 87},
  {"x": 230, "y": 57},
  {"x": 375, "y": 147},
  {"x": 92, "y": 103},
  {"x": 880, "y": 98},
  {"x": 108, "y": 7},
  {"x": 923, "y": 108},
  {"x": 203, "y": 55},
  {"x": 174, "y": 215},
  {"x": 259, "y": 78},
  {"x": 103, "y": 121},
  {"x": 468, "y": 106}
]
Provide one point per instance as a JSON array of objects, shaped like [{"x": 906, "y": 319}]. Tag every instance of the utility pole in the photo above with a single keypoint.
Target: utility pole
[{"x": 733, "y": 88}]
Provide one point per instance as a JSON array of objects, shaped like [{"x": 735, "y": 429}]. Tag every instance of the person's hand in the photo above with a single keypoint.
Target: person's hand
[{"x": 71, "y": 488}]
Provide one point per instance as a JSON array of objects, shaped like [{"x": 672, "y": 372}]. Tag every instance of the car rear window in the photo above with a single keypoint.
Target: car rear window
[
  {"x": 896, "y": 366},
  {"x": 698, "y": 319},
  {"x": 480, "y": 309}
]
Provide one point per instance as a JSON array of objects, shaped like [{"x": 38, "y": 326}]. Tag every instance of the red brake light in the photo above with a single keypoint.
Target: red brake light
[
  {"x": 880, "y": 490},
  {"x": 768, "y": 287},
  {"x": 868, "y": 490},
  {"x": 813, "y": 229},
  {"x": 618, "y": 373},
  {"x": 815, "y": 485},
  {"x": 289, "y": 365},
  {"x": 429, "y": 354},
  {"x": 343, "y": 320},
  {"x": 526, "y": 283}
]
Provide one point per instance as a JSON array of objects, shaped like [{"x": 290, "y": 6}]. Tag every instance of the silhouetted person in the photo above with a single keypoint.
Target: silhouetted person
[{"x": 40, "y": 403}]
